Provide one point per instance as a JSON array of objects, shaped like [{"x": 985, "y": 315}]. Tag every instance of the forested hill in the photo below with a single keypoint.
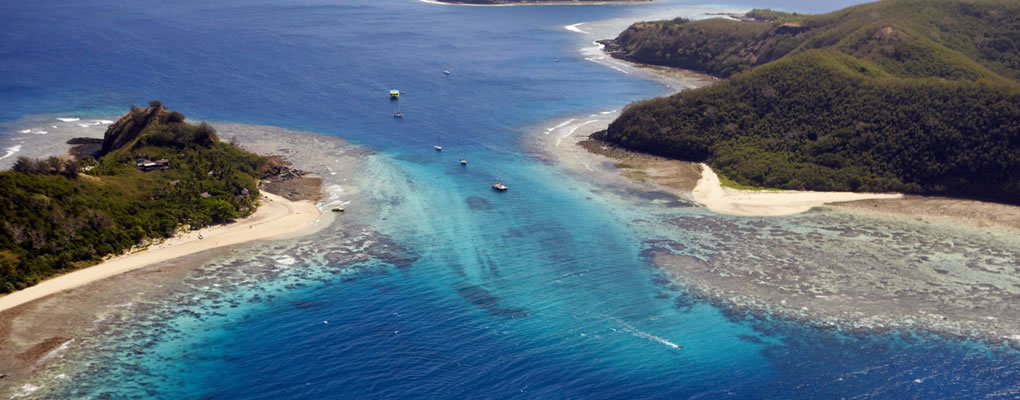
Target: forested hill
[
  {"x": 903, "y": 95},
  {"x": 155, "y": 174}
]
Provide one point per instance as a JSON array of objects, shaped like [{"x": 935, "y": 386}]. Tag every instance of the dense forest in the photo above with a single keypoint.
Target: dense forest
[
  {"x": 63, "y": 214},
  {"x": 900, "y": 95}
]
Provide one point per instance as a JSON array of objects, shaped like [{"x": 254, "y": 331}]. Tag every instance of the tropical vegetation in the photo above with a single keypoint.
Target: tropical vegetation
[
  {"x": 900, "y": 95},
  {"x": 60, "y": 214}
]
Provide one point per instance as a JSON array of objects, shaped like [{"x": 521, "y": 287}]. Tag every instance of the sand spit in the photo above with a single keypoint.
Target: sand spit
[
  {"x": 890, "y": 262},
  {"x": 276, "y": 217},
  {"x": 767, "y": 203},
  {"x": 36, "y": 336}
]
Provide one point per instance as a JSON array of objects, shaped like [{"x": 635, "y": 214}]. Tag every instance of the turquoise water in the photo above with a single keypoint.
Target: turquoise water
[{"x": 446, "y": 290}]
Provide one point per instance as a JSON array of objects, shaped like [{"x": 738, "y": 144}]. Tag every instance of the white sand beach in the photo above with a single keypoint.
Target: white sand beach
[
  {"x": 765, "y": 203},
  {"x": 277, "y": 217}
]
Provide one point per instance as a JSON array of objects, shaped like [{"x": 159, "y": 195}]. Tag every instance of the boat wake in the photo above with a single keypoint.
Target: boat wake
[{"x": 644, "y": 335}]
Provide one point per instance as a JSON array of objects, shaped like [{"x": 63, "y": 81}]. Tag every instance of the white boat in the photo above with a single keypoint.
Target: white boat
[
  {"x": 463, "y": 162},
  {"x": 499, "y": 186}
]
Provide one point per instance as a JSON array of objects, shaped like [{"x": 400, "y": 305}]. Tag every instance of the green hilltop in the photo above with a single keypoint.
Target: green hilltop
[
  {"x": 899, "y": 95},
  {"x": 61, "y": 214}
]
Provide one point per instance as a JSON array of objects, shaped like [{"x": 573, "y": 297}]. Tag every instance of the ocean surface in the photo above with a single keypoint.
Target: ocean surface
[{"x": 540, "y": 292}]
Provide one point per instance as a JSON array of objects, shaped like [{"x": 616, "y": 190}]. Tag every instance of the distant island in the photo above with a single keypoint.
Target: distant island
[
  {"x": 902, "y": 95},
  {"x": 152, "y": 175},
  {"x": 535, "y": 2}
]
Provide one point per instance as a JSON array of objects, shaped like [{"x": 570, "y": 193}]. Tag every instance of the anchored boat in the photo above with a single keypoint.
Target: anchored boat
[{"x": 499, "y": 186}]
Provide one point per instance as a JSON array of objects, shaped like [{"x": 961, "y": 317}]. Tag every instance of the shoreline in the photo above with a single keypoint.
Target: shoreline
[
  {"x": 36, "y": 335},
  {"x": 277, "y": 217},
  {"x": 710, "y": 193},
  {"x": 887, "y": 263}
]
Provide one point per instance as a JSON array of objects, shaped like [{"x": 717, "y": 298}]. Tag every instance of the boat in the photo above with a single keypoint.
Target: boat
[
  {"x": 438, "y": 145},
  {"x": 397, "y": 114},
  {"x": 463, "y": 162},
  {"x": 446, "y": 71},
  {"x": 394, "y": 94},
  {"x": 338, "y": 209},
  {"x": 499, "y": 186}
]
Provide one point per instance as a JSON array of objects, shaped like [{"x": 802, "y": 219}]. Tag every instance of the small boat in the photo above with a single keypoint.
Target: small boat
[
  {"x": 556, "y": 60},
  {"x": 446, "y": 71},
  {"x": 438, "y": 147},
  {"x": 439, "y": 143},
  {"x": 499, "y": 186},
  {"x": 397, "y": 114},
  {"x": 394, "y": 94},
  {"x": 463, "y": 162},
  {"x": 338, "y": 209}
]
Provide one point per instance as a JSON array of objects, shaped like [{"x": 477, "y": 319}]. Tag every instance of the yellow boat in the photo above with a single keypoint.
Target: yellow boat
[{"x": 394, "y": 94}]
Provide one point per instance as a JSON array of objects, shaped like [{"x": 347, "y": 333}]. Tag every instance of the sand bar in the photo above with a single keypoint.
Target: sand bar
[
  {"x": 276, "y": 217},
  {"x": 767, "y": 203}
]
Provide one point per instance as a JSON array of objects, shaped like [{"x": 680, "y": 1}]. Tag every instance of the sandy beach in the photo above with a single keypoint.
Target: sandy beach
[
  {"x": 277, "y": 217},
  {"x": 61, "y": 316},
  {"x": 710, "y": 193},
  {"x": 838, "y": 260}
]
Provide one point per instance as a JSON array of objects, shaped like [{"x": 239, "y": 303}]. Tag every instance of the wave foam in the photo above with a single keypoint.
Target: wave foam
[
  {"x": 11, "y": 150},
  {"x": 25, "y": 131},
  {"x": 574, "y": 28},
  {"x": 574, "y": 129},
  {"x": 39, "y": 132},
  {"x": 72, "y": 119},
  {"x": 564, "y": 123}
]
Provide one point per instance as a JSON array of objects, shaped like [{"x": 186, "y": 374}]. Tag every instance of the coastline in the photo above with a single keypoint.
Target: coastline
[
  {"x": 277, "y": 217},
  {"x": 845, "y": 261},
  {"x": 37, "y": 333},
  {"x": 877, "y": 264},
  {"x": 710, "y": 192}
]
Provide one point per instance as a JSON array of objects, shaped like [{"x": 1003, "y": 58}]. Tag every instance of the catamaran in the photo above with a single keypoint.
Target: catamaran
[{"x": 499, "y": 186}]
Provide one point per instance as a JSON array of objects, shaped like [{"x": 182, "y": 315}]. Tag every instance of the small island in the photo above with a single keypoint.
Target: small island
[
  {"x": 152, "y": 177},
  {"x": 894, "y": 96}
]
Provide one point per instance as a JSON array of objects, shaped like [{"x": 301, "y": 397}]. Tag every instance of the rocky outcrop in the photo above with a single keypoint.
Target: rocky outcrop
[{"x": 129, "y": 126}]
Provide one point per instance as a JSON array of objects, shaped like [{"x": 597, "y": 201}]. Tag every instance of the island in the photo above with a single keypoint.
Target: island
[
  {"x": 895, "y": 96},
  {"x": 154, "y": 179}
]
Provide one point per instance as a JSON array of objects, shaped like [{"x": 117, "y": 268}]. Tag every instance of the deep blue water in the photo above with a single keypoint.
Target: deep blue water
[{"x": 540, "y": 293}]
